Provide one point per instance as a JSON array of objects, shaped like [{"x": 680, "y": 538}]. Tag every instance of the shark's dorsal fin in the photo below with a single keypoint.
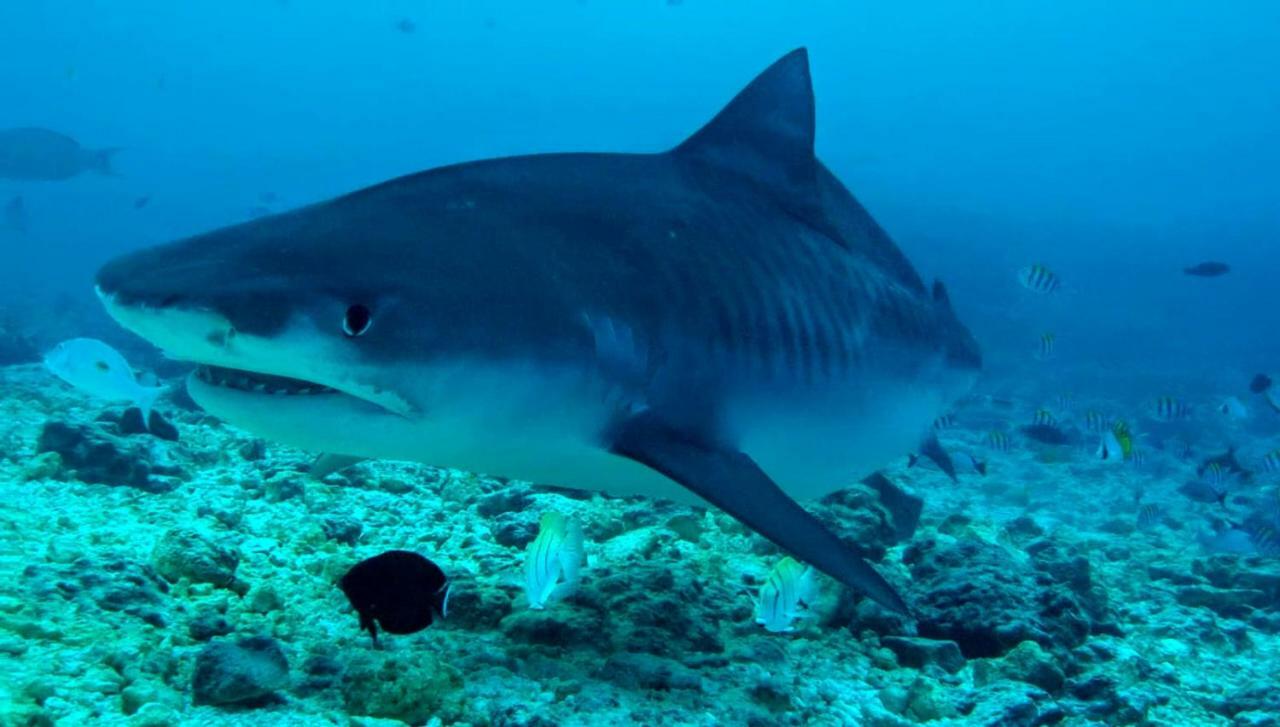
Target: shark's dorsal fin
[{"x": 766, "y": 135}]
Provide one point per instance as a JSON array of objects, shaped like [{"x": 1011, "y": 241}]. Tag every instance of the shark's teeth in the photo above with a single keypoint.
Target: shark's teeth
[{"x": 251, "y": 382}]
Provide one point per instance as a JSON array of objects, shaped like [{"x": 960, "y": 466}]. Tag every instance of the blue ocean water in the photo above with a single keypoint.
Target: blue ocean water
[{"x": 1116, "y": 145}]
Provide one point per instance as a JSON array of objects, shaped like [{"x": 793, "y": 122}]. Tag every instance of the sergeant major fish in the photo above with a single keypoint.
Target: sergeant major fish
[{"x": 1039, "y": 279}]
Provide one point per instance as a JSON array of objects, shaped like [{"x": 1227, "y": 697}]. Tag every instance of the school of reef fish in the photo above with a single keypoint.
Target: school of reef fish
[{"x": 167, "y": 568}]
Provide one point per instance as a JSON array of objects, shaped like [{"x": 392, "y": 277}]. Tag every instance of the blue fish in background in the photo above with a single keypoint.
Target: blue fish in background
[
  {"x": 551, "y": 317},
  {"x": 15, "y": 215},
  {"x": 44, "y": 155}
]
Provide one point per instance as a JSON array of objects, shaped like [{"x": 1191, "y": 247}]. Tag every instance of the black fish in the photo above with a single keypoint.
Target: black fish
[
  {"x": 397, "y": 590},
  {"x": 932, "y": 449},
  {"x": 1208, "y": 269},
  {"x": 141, "y": 202},
  {"x": 1260, "y": 384},
  {"x": 406, "y": 26},
  {"x": 1046, "y": 434}
]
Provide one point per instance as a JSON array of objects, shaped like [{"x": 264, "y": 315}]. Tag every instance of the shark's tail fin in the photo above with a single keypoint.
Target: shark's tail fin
[{"x": 99, "y": 160}]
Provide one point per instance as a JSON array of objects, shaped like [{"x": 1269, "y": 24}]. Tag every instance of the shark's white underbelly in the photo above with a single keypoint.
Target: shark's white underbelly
[{"x": 523, "y": 424}]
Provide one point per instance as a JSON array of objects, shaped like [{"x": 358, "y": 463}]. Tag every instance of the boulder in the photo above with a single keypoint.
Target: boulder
[
  {"x": 130, "y": 422},
  {"x": 185, "y": 552},
  {"x": 242, "y": 672},
  {"x": 647, "y": 671},
  {"x": 871, "y": 516},
  {"x": 110, "y": 581},
  {"x": 981, "y": 596},
  {"x": 919, "y": 653},
  {"x": 98, "y": 457}
]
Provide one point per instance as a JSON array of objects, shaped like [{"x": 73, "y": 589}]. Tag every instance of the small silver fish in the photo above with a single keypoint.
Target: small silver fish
[
  {"x": 553, "y": 562},
  {"x": 786, "y": 595},
  {"x": 98, "y": 369}
]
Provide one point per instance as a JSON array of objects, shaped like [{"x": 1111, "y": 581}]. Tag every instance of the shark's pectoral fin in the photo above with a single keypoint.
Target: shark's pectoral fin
[
  {"x": 326, "y": 464},
  {"x": 731, "y": 481}
]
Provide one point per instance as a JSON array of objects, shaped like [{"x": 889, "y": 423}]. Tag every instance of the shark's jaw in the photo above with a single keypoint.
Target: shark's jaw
[{"x": 241, "y": 377}]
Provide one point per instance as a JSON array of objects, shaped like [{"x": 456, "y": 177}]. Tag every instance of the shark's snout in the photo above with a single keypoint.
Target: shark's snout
[{"x": 154, "y": 277}]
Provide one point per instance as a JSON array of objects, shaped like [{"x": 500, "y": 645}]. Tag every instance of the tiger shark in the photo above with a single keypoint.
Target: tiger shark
[{"x": 721, "y": 322}]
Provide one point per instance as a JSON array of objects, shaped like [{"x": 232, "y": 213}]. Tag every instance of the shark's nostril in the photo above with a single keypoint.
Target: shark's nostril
[{"x": 171, "y": 300}]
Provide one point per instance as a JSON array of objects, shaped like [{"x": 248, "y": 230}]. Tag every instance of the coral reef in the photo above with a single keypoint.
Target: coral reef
[{"x": 191, "y": 579}]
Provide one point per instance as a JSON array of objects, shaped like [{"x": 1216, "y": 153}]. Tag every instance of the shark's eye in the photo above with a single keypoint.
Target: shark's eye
[{"x": 357, "y": 320}]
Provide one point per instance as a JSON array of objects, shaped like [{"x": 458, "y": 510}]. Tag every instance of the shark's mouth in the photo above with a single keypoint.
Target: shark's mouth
[{"x": 258, "y": 383}]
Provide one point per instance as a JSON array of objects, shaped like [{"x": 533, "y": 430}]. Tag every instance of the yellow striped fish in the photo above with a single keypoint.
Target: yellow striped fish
[
  {"x": 1044, "y": 418},
  {"x": 1096, "y": 421},
  {"x": 1044, "y": 348},
  {"x": 999, "y": 441},
  {"x": 1039, "y": 279},
  {"x": 1135, "y": 458},
  {"x": 553, "y": 561},
  {"x": 785, "y": 596},
  {"x": 1271, "y": 461},
  {"x": 1171, "y": 409}
]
